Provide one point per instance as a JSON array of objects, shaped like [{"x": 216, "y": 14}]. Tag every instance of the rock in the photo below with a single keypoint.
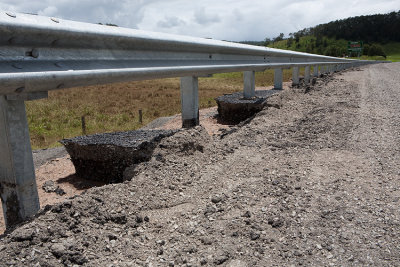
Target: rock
[
  {"x": 160, "y": 242},
  {"x": 49, "y": 187},
  {"x": 254, "y": 236},
  {"x": 236, "y": 263},
  {"x": 220, "y": 259},
  {"x": 21, "y": 235},
  {"x": 216, "y": 199},
  {"x": 247, "y": 214},
  {"x": 276, "y": 222},
  {"x": 58, "y": 250},
  {"x": 104, "y": 157},
  {"x": 203, "y": 262},
  {"x": 210, "y": 210},
  {"x": 206, "y": 240},
  {"x": 139, "y": 219},
  {"x": 59, "y": 191}
]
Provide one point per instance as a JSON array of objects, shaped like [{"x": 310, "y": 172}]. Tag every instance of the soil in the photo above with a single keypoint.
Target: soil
[
  {"x": 310, "y": 181},
  {"x": 55, "y": 165}
]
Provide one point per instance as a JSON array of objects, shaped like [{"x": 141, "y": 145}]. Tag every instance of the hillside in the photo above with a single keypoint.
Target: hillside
[{"x": 379, "y": 33}]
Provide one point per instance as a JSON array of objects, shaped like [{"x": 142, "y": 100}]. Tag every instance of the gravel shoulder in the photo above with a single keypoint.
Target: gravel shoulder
[{"x": 312, "y": 180}]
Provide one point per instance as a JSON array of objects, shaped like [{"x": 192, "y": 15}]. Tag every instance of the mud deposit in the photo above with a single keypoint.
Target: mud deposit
[{"x": 313, "y": 183}]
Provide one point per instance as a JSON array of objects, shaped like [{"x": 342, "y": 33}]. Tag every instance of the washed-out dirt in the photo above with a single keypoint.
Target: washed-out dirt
[{"x": 312, "y": 180}]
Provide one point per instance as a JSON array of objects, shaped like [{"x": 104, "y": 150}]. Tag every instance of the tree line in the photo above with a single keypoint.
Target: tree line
[{"x": 373, "y": 30}]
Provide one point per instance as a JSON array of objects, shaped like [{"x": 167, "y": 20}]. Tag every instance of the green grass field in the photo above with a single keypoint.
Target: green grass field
[{"x": 115, "y": 107}]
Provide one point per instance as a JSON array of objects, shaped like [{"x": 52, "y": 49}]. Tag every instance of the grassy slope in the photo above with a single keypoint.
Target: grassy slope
[
  {"x": 303, "y": 44},
  {"x": 115, "y": 107}
]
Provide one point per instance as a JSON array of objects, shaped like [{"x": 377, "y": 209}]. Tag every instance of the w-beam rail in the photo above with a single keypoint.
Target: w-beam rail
[{"x": 39, "y": 54}]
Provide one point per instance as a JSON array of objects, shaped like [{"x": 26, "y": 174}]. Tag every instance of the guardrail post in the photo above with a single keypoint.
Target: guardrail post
[
  {"x": 295, "y": 76},
  {"x": 190, "y": 101},
  {"x": 315, "y": 71},
  {"x": 307, "y": 74},
  {"x": 278, "y": 79},
  {"x": 249, "y": 79},
  {"x": 18, "y": 189}
]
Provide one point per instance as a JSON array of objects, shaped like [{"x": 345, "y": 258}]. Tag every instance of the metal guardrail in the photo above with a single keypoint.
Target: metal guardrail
[{"x": 38, "y": 54}]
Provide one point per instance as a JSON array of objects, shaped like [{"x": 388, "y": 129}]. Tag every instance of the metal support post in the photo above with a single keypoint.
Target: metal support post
[
  {"x": 190, "y": 101},
  {"x": 278, "y": 79},
  {"x": 249, "y": 79},
  {"x": 307, "y": 74},
  {"x": 18, "y": 190},
  {"x": 315, "y": 71},
  {"x": 295, "y": 77}
]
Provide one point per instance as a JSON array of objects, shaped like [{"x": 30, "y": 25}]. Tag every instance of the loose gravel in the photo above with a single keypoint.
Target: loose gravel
[{"x": 314, "y": 182}]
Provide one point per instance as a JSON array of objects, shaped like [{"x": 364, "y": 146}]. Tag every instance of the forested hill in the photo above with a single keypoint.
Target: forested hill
[
  {"x": 373, "y": 28},
  {"x": 380, "y": 35}
]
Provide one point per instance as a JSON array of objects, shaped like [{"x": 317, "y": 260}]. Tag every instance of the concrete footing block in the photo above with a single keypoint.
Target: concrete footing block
[
  {"x": 234, "y": 108},
  {"x": 104, "y": 157}
]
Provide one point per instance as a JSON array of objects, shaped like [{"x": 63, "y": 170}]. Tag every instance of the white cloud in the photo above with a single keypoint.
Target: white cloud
[
  {"x": 224, "y": 19},
  {"x": 49, "y": 11},
  {"x": 170, "y": 22},
  {"x": 201, "y": 17}
]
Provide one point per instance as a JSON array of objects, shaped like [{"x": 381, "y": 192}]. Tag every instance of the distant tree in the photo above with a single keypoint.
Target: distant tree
[
  {"x": 333, "y": 51},
  {"x": 366, "y": 49},
  {"x": 376, "y": 50},
  {"x": 267, "y": 41},
  {"x": 279, "y": 37},
  {"x": 289, "y": 42},
  {"x": 372, "y": 28},
  {"x": 318, "y": 41},
  {"x": 297, "y": 37}
]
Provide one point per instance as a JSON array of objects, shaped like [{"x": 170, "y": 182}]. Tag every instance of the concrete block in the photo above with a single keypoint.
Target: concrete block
[
  {"x": 234, "y": 108},
  {"x": 104, "y": 157}
]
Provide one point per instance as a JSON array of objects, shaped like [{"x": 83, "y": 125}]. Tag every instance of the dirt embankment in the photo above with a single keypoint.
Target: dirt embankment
[{"x": 314, "y": 182}]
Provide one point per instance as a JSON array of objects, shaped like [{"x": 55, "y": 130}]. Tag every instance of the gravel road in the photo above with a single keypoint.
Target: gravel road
[{"x": 312, "y": 180}]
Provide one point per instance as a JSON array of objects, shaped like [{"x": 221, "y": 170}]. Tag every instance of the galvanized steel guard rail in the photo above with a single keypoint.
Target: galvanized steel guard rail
[{"x": 38, "y": 54}]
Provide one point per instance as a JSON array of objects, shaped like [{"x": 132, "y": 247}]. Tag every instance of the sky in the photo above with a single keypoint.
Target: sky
[{"x": 233, "y": 20}]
